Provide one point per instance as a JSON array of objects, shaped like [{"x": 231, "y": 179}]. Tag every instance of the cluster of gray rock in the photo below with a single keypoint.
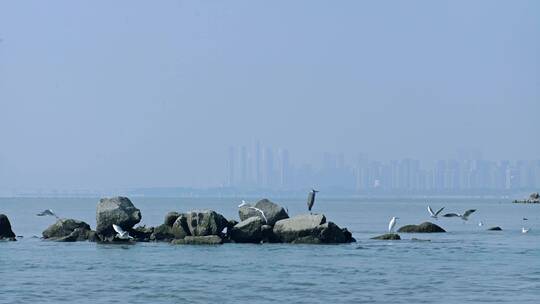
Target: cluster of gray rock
[
  {"x": 534, "y": 198},
  {"x": 265, "y": 222}
]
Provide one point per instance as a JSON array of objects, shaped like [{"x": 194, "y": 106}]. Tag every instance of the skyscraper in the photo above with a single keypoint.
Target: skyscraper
[{"x": 230, "y": 167}]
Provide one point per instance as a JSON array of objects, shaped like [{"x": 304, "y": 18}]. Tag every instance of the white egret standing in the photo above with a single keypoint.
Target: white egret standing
[{"x": 392, "y": 224}]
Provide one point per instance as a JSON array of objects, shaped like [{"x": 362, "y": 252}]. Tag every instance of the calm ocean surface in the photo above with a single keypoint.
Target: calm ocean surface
[{"x": 466, "y": 265}]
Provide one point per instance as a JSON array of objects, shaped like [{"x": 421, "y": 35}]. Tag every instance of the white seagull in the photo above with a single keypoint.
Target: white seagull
[
  {"x": 121, "y": 234},
  {"x": 464, "y": 216},
  {"x": 392, "y": 224},
  {"x": 262, "y": 213},
  {"x": 242, "y": 204},
  {"x": 523, "y": 230},
  {"x": 47, "y": 212},
  {"x": 434, "y": 214},
  {"x": 480, "y": 224}
]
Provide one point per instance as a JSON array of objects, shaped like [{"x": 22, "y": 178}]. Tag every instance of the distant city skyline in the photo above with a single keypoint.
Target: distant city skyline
[{"x": 264, "y": 167}]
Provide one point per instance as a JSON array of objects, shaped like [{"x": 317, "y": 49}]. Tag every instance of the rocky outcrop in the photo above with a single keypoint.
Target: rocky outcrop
[
  {"x": 425, "y": 227},
  {"x": 311, "y": 229},
  {"x": 199, "y": 240},
  {"x": 170, "y": 218},
  {"x": 248, "y": 231},
  {"x": 534, "y": 198},
  {"x": 5, "y": 229},
  {"x": 496, "y": 228},
  {"x": 162, "y": 233},
  {"x": 69, "y": 230},
  {"x": 180, "y": 228},
  {"x": 387, "y": 236},
  {"x": 205, "y": 222},
  {"x": 117, "y": 210},
  {"x": 272, "y": 211}
]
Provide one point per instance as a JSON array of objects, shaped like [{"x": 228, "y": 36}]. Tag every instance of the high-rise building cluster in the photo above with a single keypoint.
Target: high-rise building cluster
[{"x": 264, "y": 167}]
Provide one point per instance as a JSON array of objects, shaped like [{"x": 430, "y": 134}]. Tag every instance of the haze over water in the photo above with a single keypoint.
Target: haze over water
[{"x": 465, "y": 265}]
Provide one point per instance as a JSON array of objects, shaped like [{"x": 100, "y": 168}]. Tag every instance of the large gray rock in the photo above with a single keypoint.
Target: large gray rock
[
  {"x": 387, "y": 236},
  {"x": 205, "y": 222},
  {"x": 247, "y": 231},
  {"x": 5, "y": 229},
  {"x": 69, "y": 230},
  {"x": 425, "y": 227},
  {"x": 117, "y": 210},
  {"x": 272, "y": 211},
  {"x": 170, "y": 218},
  {"x": 180, "y": 228},
  {"x": 199, "y": 240},
  {"x": 311, "y": 229}
]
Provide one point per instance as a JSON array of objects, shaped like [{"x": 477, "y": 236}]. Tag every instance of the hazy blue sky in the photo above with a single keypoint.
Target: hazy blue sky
[{"x": 151, "y": 93}]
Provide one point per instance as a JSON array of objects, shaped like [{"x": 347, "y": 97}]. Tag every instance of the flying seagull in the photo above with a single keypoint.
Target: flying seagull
[
  {"x": 464, "y": 216},
  {"x": 121, "y": 234},
  {"x": 311, "y": 199},
  {"x": 392, "y": 224},
  {"x": 242, "y": 204},
  {"x": 523, "y": 230},
  {"x": 262, "y": 213},
  {"x": 434, "y": 214},
  {"x": 47, "y": 212}
]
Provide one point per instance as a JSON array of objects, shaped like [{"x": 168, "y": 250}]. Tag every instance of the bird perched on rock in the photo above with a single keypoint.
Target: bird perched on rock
[
  {"x": 311, "y": 199},
  {"x": 392, "y": 224}
]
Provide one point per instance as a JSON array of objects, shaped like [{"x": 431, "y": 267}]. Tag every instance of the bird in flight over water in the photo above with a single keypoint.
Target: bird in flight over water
[
  {"x": 464, "y": 216},
  {"x": 434, "y": 214}
]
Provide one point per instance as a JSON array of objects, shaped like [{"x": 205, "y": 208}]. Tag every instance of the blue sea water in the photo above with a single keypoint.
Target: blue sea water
[{"x": 466, "y": 265}]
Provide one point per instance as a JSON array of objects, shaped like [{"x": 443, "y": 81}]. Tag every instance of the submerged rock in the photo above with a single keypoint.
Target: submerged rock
[
  {"x": 496, "y": 228},
  {"x": 5, "y": 229},
  {"x": 205, "y": 222},
  {"x": 310, "y": 229},
  {"x": 117, "y": 210},
  {"x": 387, "y": 236},
  {"x": 425, "y": 227},
  {"x": 69, "y": 230},
  {"x": 247, "y": 231},
  {"x": 199, "y": 240}
]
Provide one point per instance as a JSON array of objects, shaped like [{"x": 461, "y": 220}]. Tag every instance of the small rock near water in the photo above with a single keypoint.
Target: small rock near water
[
  {"x": 425, "y": 227},
  {"x": 199, "y": 240},
  {"x": 387, "y": 236},
  {"x": 497, "y": 228},
  {"x": 69, "y": 230},
  {"x": 5, "y": 229}
]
